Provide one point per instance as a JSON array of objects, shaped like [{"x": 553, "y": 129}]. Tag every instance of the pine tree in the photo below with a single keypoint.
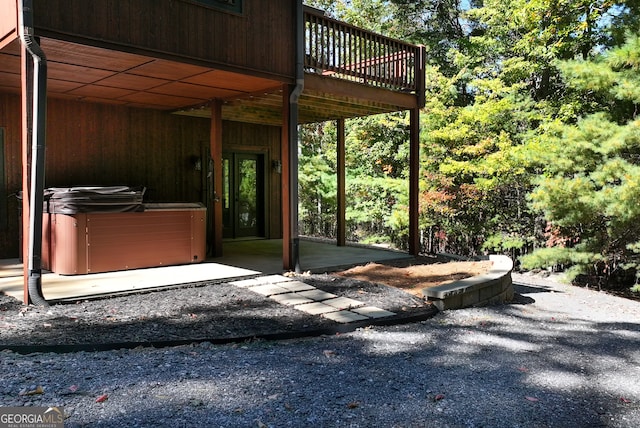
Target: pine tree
[{"x": 591, "y": 170}]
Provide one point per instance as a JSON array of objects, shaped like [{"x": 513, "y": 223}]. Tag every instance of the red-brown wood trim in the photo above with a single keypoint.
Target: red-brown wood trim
[
  {"x": 342, "y": 204},
  {"x": 287, "y": 259},
  {"x": 414, "y": 181},
  {"x": 216, "y": 154}
]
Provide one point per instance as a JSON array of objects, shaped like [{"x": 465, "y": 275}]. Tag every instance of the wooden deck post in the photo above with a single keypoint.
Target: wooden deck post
[
  {"x": 290, "y": 231},
  {"x": 215, "y": 217},
  {"x": 287, "y": 262},
  {"x": 341, "y": 171},
  {"x": 414, "y": 182}
]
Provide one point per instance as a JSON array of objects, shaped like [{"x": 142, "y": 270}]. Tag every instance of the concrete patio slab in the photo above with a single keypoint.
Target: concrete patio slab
[
  {"x": 68, "y": 287},
  {"x": 315, "y": 308},
  {"x": 344, "y": 317},
  {"x": 343, "y": 303},
  {"x": 373, "y": 312},
  {"x": 296, "y": 286},
  {"x": 274, "y": 279},
  {"x": 317, "y": 295},
  {"x": 265, "y": 255},
  {"x": 290, "y": 299},
  {"x": 268, "y": 289}
]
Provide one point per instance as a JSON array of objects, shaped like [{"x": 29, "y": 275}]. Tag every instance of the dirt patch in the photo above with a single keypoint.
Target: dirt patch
[{"x": 412, "y": 278}]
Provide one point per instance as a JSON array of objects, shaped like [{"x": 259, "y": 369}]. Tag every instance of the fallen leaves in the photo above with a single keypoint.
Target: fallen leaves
[
  {"x": 34, "y": 390},
  {"x": 102, "y": 398}
]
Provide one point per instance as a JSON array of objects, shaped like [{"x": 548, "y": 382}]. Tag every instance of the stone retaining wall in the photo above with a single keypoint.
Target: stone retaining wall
[{"x": 493, "y": 287}]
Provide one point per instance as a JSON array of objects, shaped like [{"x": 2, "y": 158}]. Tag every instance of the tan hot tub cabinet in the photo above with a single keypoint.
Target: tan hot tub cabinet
[{"x": 150, "y": 235}]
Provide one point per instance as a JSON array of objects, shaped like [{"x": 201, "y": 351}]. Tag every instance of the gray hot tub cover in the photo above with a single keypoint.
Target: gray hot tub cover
[{"x": 86, "y": 199}]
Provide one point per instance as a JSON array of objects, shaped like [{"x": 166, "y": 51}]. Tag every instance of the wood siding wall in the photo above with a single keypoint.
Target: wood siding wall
[
  {"x": 261, "y": 39},
  {"x": 239, "y": 137},
  {"x": 99, "y": 144},
  {"x": 10, "y": 121}
]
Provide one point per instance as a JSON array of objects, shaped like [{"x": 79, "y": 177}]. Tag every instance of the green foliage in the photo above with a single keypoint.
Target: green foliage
[
  {"x": 591, "y": 170},
  {"x": 503, "y": 242},
  {"x": 374, "y": 15},
  {"x": 475, "y": 183},
  {"x": 574, "y": 259},
  {"x": 376, "y": 186},
  {"x": 374, "y": 201},
  {"x": 529, "y": 138},
  {"x": 317, "y": 180},
  {"x": 378, "y": 145}
]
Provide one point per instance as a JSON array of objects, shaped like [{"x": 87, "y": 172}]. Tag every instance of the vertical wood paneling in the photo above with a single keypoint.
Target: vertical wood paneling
[
  {"x": 100, "y": 144},
  {"x": 261, "y": 39},
  {"x": 10, "y": 121},
  {"x": 239, "y": 137}
]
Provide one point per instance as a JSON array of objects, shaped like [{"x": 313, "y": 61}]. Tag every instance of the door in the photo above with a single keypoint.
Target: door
[{"x": 243, "y": 212}]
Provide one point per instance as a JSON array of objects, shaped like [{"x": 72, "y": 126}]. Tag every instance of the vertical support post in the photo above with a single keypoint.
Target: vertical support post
[
  {"x": 287, "y": 261},
  {"x": 421, "y": 77},
  {"x": 27, "y": 108},
  {"x": 215, "y": 142},
  {"x": 414, "y": 181},
  {"x": 342, "y": 204},
  {"x": 291, "y": 122},
  {"x": 293, "y": 261}
]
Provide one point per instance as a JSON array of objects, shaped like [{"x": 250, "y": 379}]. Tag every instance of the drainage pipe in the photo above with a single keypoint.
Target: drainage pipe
[
  {"x": 36, "y": 128},
  {"x": 294, "y": 99}
]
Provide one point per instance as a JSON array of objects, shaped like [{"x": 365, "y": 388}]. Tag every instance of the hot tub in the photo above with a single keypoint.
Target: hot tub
[{"x": 149, "y": 235}]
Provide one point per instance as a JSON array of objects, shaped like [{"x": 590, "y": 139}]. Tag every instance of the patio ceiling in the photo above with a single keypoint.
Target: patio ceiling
[{"x": 93, "y": 74}]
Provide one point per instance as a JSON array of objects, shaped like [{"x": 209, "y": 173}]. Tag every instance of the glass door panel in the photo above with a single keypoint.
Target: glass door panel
[
  {"x": 243, "y": 195},
  {"x": 247, "y": 195}
]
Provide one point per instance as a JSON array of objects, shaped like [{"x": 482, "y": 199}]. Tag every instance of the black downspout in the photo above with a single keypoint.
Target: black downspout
[
  {"x": 36, "y": 127},
  {"x": 293, "y": 136}
]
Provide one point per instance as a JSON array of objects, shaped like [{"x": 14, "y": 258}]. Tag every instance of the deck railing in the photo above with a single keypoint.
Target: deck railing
[{"x": 335, "y": 48}]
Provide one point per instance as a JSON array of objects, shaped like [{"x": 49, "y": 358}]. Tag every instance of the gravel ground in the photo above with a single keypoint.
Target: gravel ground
[
  {"x": 558, "y": 356},
  {"x": 200, "y": 312}
]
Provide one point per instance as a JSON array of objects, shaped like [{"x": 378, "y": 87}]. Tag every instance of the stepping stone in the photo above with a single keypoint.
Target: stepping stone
[
  {"x": 290, "y": 299},
  {"x": 344, "y": 316},
  {"x": 343, "y": 303},
  {"x": 268, "y": 289},
  {"x": 315, "y": 308},
  {"x": 246, "y": 283},
  {"x": 295, "y": 286},
  {"x": 273, "y": 279},
  {"x": 373, "y": 312},
  {"x": 317, "y": 295}
]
